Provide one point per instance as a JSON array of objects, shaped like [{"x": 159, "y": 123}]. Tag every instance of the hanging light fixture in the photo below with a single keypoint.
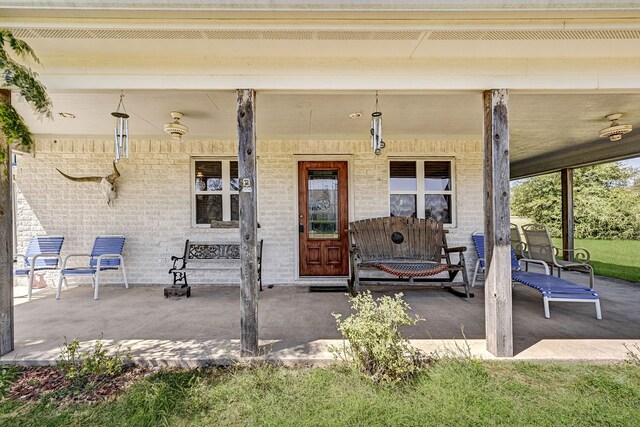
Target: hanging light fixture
[
  {"x": 615, "y": 130},
  {"x": 122, "y": 130},
  {"x": 377, "y": 144},
  {"x": 175, "y": 128}
]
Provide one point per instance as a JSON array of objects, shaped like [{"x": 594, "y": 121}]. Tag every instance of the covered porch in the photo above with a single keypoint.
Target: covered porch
[
  {"x": 495, "y": 99},
  {"x": 296, "y": 326}
]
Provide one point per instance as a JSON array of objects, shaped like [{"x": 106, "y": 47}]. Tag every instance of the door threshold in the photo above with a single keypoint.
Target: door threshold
[{"x": 328, "y": 288}]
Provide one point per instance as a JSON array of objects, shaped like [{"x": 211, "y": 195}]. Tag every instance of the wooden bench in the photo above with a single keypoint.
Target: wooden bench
[
  {"x": 411, "y": 249},
  {"x": 205, "y": 256}
]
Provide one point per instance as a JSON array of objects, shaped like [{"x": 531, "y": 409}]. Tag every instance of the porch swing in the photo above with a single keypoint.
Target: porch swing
[{"x": 411, "y": 249}]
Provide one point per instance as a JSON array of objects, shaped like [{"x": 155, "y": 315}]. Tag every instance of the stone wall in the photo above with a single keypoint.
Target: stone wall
[{"x": 153, "y": 208}]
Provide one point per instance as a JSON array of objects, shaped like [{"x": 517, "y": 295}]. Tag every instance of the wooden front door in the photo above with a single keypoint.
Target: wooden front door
[{"x": 323, "y": 218}]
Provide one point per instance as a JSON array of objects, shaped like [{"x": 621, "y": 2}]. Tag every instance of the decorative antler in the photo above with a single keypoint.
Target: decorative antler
[
  {"x": 107, "y": 183},
  {"x": 81, "y": 178},
  {"x": 115, "y": 175},
  {"x": 110, "y": 178}
]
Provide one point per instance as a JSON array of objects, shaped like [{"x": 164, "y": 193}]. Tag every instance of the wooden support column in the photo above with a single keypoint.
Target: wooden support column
[
  {"x": 498, "y": 307},
  {"x": 6, "y": 246},
  {"x": 248, "y": 222},
  {"x": 568, "y": 225}
]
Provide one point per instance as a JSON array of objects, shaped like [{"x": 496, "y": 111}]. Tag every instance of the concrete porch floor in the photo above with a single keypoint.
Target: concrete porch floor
[{"x": 296, "y": 326}]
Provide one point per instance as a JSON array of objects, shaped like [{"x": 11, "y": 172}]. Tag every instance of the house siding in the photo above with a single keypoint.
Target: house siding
[{"x": 153, "y": 208}]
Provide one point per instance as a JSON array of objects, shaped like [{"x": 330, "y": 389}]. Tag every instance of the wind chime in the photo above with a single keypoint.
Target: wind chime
[
  {"x": 377, "y": 144},
  {"x": 122, "y": 130}
]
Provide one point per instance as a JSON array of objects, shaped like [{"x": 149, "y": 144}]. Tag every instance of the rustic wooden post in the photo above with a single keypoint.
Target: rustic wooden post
[
  {"x": 498, "y": 307},
  {"x": 568, "y": 225},
  {"x": 248, "y": 222},
  {"x": 6, "y": 246}
]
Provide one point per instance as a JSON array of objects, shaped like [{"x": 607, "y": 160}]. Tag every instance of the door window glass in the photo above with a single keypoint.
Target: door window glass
[{"x": 322, "y": 208}]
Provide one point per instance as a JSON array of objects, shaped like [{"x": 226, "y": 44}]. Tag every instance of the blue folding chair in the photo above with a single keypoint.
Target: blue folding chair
[
  {"x": 105, "y": 255},
  {"x": 552, "y": 288},
  {"x": 43, "y": 253}
]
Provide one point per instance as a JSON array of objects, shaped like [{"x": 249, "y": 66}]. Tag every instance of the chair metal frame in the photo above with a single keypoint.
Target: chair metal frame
[
  {"x": 539, "y": 245},
  {"x": 30, "y": 258},
  {"x": 97, "y": 262},
  {"x": 551, "y": 288}
]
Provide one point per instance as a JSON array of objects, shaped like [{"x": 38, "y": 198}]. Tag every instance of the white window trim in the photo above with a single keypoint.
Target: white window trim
[
  {"x": 420, "y": 190},
  {"x": 226, "y": 191}
]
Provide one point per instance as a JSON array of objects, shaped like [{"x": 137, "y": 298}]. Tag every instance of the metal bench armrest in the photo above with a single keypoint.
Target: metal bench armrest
[{"x": 175, "y": 260}]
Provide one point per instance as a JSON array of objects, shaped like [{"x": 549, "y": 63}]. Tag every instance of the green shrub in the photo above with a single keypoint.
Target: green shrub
[
  {"x": 80, "y": 365},
  {"x": 376, "y": 346},
  {"x": 8, "y": 374}
]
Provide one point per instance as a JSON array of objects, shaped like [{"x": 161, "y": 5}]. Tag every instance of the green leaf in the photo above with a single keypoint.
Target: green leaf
[
  {"x": 15, "y": 74},
  {"x": 14, "y": 129}
]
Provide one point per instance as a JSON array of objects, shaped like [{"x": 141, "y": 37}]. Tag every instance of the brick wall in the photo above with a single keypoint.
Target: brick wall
[{"x": 153, "y": 208}]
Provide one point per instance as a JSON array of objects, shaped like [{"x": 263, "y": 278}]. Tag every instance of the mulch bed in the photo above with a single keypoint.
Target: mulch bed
[{"x": 36, "y": 383}]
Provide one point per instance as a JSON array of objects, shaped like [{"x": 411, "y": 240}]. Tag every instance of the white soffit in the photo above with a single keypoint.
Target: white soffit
[
  {"x": 442, "y": 34},
  {"x": 301, "y": 34},
  {"x": 213, "y": 34},
  {"x": 96, "y": 46}
]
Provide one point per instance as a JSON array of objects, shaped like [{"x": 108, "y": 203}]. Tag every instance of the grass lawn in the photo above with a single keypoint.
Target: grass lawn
[
  {"x": 451, "y": 393},
  {"x": 609, "y": 258},
  {"x": 612, "y": 258}
]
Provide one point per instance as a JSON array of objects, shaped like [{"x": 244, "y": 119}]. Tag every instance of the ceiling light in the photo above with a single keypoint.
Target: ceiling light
[
  {"x": 615, "y": 131},
  {"x": 67, "y": 115},
  {"x": 175, "y": 128}
]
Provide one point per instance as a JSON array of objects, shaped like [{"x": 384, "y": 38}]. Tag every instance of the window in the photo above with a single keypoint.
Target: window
[
  {"x": 421, "y": 189},
  {"x": 215, "y": 191}
]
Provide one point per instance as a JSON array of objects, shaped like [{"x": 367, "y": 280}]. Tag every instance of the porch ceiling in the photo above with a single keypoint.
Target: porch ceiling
[
  {"x": 548, "y": 130},
  {"x": 314, "y": 63},
  {"x": 422, "y": 45}
]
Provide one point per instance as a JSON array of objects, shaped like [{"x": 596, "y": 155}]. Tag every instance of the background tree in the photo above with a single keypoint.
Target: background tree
[
  {"x": 20, "y": 76},
  {"x": 606, "y": 205},
  {"x": 636, "y": 185}
]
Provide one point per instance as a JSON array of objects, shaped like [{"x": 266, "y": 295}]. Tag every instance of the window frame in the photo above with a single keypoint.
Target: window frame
[
  {"x": 420, "y": 191},
  {"x": 226, "y": 191}
]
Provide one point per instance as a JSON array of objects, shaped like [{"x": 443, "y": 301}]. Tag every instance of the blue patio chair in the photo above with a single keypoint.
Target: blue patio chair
[
  {"x": 552, "y": 288},
  {"x": 43, "y": 253},
  {"x": 105, "y": 255}
]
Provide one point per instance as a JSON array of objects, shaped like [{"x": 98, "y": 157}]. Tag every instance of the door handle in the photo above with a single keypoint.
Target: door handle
[{"x": 300, "y": 228}]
